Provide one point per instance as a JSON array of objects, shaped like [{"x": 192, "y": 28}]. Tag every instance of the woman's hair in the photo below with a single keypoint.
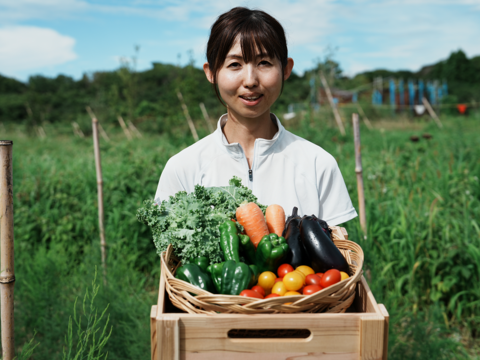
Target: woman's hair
[{"x": 255, "y": 29}]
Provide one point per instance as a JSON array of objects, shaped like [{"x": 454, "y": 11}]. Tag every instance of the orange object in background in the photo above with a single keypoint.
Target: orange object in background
[{"x": 462, "y": 108}]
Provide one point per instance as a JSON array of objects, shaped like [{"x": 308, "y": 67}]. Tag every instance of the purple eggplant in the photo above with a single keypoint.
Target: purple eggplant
[
  {"x": 297, "y": 255},
  {"x": 323, "y": 253}
]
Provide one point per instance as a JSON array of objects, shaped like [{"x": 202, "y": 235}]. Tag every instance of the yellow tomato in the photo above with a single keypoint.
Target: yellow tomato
[
  {"x": 307, "y": 270},
  {"x": 266, "y": 280},
  {"x": 279, "y": 288},
  {"x": 302, "y": 274},
  {"x": 344, "y": 275},
  {"x": 290, "y": 293},
  {"x": 293, "y": 281}
]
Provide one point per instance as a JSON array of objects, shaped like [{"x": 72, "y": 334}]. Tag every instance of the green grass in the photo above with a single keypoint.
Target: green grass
[{"x": 422, "y": 250}]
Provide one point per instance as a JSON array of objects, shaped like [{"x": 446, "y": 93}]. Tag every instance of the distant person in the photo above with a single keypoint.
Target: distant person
[{"x": 247, "y": 64}]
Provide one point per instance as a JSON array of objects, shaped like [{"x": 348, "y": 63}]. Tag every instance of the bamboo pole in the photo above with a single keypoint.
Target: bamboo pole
[
  {"x": 7, "y": 274},
  {"x": 134, "y": 129},
  {"x": 336, "y": 114},
  {"x": 124, "y": 128},
  {"x": 207, "y": 118},
  {"x": 365, "y": 118},
  {"x": 92, "y": 116},
  {"x": 191, "y": 125},
  {"x": 76, "y": 130},
  {"x": 98, "y": 167},
  {"x": 431, "y": 112},
  {"x": 359, "y": 172}
]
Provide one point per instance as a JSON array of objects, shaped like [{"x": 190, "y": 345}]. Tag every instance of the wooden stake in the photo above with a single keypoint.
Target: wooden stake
[
  {"x": 431, "y": 112},
  {"x": 102, "y": 132},
  {"x": 98, "y": 167},
  {"x": 207, "y": 118},
  {"x": 191, "y": 125},
  {"x": 359, "y": 172},
  {"x": 336, "y": 114},
  {"x": 76, "y": 130},
  {"x": 124, "y": 128},
  {"x": 134, "y": 129},
  {"x": 367, "y": 122},
  {"x": 7, "y": 271}
]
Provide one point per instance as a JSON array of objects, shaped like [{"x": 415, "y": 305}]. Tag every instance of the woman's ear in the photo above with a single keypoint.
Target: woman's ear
[
  {"x": 208, "y": 72},
  {"x": 287, "y": 70}
]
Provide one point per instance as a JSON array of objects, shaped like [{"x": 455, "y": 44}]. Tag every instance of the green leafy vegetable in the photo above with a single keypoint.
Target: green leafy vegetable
[{"x": 190, "y": 222}]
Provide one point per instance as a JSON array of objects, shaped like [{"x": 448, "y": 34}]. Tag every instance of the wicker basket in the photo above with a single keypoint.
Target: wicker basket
[{"x": 334, "y": 299}]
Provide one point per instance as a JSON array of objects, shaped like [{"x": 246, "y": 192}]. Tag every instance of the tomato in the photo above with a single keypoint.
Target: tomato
[
  {"x": 311, "y": 289},
  {"x": 284, "y": 269},
  {"x": 330, "y": 277},
  {"x": 290, "y": 293},
  {"x": 272, "y": 296},
  {"x": 279, "y": 288},
  {"x": 278, "y": 279},
  {"x": 293, "y": 281},
  {"x": 302, "y": 274},
  {"x": 259, "y": 290},
  {"x": 312, "y": 279},
  {"x": 266, "y": 280},
  {"x": 319, "y": 275},
  {"x": 251, "y": 293},
  {"x": 307, "y": 270},
  {"x": 344, "y": 275}
]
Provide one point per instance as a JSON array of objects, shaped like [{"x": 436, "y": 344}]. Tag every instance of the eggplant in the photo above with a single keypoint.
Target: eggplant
[
  {"x": 296, "y": 255},
  {"x": 323, "y": 253}
]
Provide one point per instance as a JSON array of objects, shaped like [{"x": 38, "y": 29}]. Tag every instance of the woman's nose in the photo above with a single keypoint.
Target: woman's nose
[{"x": 251, "y": 76}]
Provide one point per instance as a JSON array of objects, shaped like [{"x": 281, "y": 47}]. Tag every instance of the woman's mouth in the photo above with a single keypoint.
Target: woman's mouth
[{"x": 251, "y": 100}]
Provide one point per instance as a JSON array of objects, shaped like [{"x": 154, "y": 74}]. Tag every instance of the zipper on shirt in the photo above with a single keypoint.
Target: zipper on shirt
[{"x": 250, "y": 174}]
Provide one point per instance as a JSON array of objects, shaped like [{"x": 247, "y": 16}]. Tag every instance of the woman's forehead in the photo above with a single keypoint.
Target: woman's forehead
[{"x": 236, "y": 50}]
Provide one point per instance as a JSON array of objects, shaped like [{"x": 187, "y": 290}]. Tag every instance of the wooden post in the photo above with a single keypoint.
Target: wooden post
[
  {"x": 98, "y": 167},
  {"x": 359, "y": 172},
  {"x": 7, "y": 271},
  {"x": 207, "y": 118},
  {"x": 124, "y": 128},
  {"x": 76, "y": 130},
  {"x": 336, "y": 114},
  {"x": 431, "y": 112},
  {"x": 102, "y": 132},
  {"x": 187, "y": 116},
  {"x": 365, "y": 118},
  {"x": 134, "y": 129}
]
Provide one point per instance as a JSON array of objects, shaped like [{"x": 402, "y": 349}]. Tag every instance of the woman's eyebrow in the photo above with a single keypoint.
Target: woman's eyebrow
[{"x": 236, "y": 56}]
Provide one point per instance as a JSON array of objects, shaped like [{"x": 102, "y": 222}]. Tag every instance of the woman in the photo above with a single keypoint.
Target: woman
[{"x": 247, "y": 64}]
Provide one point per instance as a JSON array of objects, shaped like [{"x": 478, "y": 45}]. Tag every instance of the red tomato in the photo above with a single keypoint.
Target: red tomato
[
  {"x": 312, "y": 279},
  {"x": 259, "y": 290},
  {"x": 284, "y": 269},
  {"x": 251, "y": 293},
  {"x": 278, "y": 279},
  {"x": 319, "y": 275},
  {"x": 311, "y": 289},
  {"x": 271, "y": 296},
  {"x": 330, "y": 277}
]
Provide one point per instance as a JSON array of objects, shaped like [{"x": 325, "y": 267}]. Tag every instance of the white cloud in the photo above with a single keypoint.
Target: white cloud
[{"x": 30, "y": 48}]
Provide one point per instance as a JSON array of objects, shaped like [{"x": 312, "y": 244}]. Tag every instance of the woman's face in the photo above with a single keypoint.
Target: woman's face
[{"x": 250, "y": 89}]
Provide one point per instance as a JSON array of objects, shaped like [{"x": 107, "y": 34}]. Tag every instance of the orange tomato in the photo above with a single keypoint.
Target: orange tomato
[
  {"x": 279, "y": 288},
  {"x": 307, "y": 270},
  {"x": 266, "y": 280},
  {"x": 293, "y": 281}
]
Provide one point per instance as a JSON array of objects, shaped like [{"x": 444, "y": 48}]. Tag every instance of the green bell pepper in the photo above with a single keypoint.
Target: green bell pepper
[
  {"x": 271, "y": 250},
  {"x": 201, "y": 261},
  {"x": 229, "y": 241},
  {"x": 193, "y": 274},
  {"x": 247, "y": 248},
  {"x": 215, "y": 271},
  {"x": 255, "y": 274},
  {"x": 235, "y": 277}
]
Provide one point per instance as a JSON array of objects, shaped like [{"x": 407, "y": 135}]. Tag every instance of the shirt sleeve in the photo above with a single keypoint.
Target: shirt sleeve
[
  {"x": 169, "y": 183},
  {"x": 335, "y": 204}
]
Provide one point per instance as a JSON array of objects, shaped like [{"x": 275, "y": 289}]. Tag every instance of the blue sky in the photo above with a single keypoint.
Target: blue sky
[{"x": 71, "y": 37}]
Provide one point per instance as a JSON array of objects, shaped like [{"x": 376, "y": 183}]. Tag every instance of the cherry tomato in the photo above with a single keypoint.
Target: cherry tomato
[
  {"x": 290, "y": 293},
  {"x": 319, "y": 275},
  {"x": 302, "y": 274},
  {"x": 311, "y": 289},
  {"x": 259, "y": 290},
  {"x": 278, "y": 279},
  {"x": 293, "y": 281},
  {"x": 307, "y": 270},
  {"x": 344, "y": 275},
  {"x": 271, "y": 296},
  {"x": 312, "y": 279},
  {"x": 284, "y": 269},
  {"x": 330, "y": 277},
  {"x": 266, "y": 280},
  {"x": 279, "y": 288},
  {"x": 251, "y": 293}
]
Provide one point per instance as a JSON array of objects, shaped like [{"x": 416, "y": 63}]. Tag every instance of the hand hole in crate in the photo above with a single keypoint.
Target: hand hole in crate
[{"x": 284, "y": 334}]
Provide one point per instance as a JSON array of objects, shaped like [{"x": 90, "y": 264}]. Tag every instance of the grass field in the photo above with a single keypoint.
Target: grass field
[{"x": 422, "y": 250}]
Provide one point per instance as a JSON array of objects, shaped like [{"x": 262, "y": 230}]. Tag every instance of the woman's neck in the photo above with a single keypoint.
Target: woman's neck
[{"x": 246, "y": 130}]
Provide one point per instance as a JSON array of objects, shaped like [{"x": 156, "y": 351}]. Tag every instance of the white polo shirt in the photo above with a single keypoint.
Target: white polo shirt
[{"x": 286, "y": 170}]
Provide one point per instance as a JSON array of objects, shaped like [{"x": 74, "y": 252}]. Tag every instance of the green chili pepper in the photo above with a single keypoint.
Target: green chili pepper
[
  {"x": 193, "y": 274},
  {"x": 271, "y": 250},
  {"x": 229, "y": 241},
  {"x": 235, "y": 277},
  {"x": 215, "y": 271},
  {"x": 247, "y": 248}
]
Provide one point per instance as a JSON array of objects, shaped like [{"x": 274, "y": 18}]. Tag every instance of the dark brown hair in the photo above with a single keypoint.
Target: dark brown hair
[{"x": 255, "y": 29}]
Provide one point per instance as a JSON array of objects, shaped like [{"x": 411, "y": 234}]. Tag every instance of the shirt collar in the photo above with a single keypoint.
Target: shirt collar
[{"x": 235, "y": 150}]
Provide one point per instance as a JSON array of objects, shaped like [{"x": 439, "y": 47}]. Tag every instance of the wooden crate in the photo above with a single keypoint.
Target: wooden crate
[{"x": 358, "y": 334}]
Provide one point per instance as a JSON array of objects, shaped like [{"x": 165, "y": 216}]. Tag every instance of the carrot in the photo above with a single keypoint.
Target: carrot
[
  {"x": 250, "y": 216},
  {"x": 275, "y": 219}
]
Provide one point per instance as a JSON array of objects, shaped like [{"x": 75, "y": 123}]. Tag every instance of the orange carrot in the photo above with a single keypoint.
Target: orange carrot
[
  {"x": 275, "y": 219},
  {"x": 250, "y": 216}
]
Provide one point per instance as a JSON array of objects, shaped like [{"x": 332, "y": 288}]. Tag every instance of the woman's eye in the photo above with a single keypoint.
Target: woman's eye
[
  {"x": 265, "y": 62},
  {"x": 234, "y": 65}
]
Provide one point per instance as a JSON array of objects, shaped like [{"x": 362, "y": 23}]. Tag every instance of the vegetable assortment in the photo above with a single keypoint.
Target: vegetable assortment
[{"x": 229, "y": 244}]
